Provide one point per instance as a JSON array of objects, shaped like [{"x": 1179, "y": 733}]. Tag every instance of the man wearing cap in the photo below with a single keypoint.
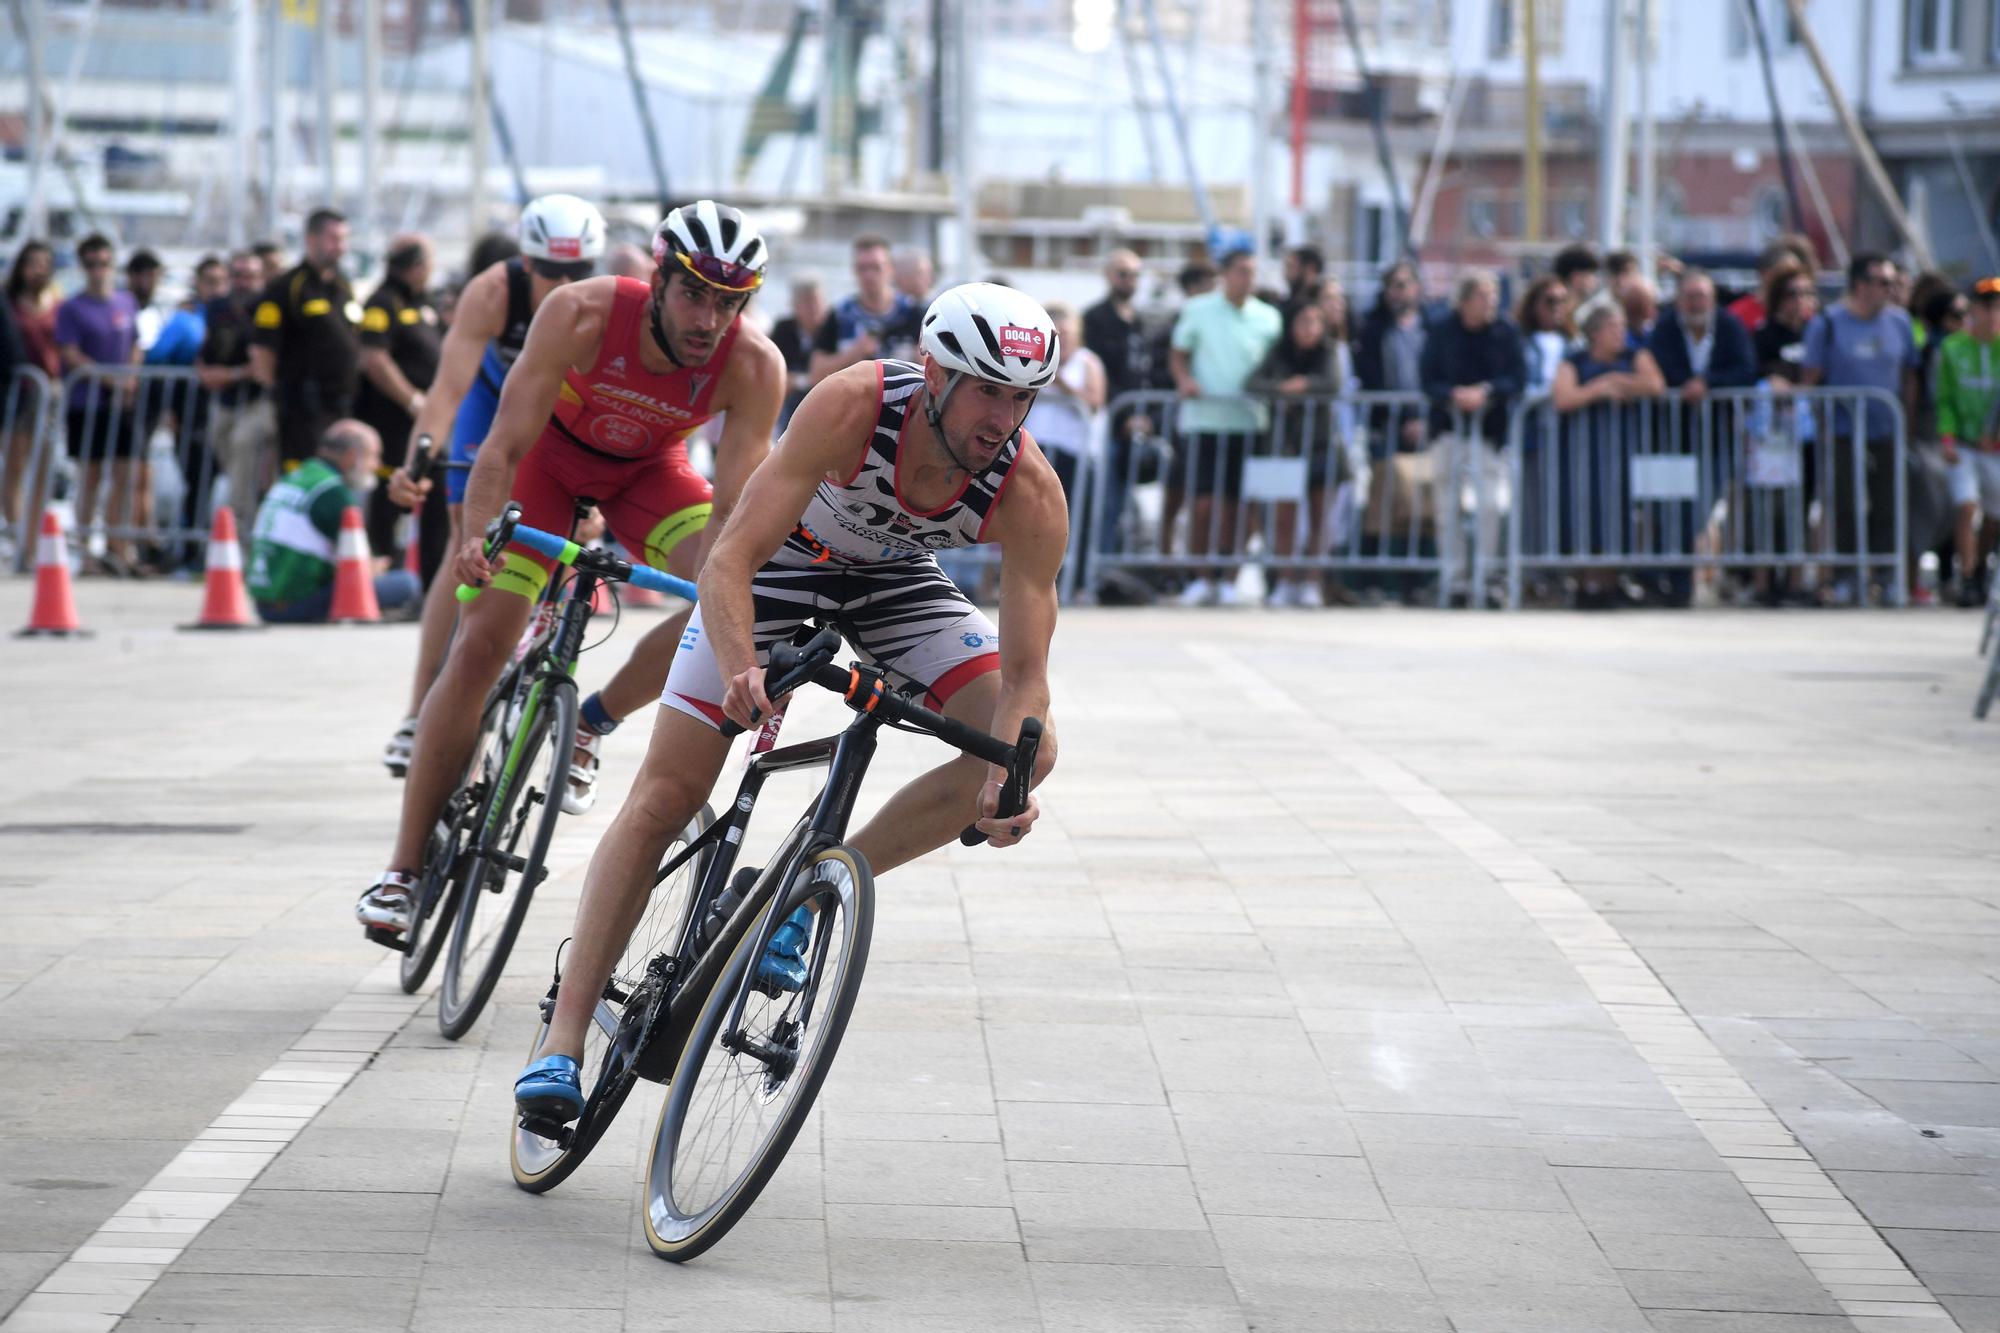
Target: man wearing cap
[{"x": 1968, "y": 415}]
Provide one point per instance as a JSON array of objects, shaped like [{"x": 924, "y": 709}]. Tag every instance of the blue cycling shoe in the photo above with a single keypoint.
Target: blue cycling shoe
[
  {"x": 549, "y": 1089},
  {"x": 783, "y": 966}
]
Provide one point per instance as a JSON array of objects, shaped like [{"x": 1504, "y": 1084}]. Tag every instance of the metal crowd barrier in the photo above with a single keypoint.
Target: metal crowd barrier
[
  {"x": 135, "y": 439},
  {"x": 1740, "y": 479},
  {"x": 27, "y": 407},
  {"x": 1354, "y": 484}
]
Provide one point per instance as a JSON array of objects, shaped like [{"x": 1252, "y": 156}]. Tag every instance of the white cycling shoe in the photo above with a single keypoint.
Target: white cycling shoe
[
  {"x": 580, "y": 792},
  {"x": 384, "y": 911},
  {"x": 396, "y": 754}
]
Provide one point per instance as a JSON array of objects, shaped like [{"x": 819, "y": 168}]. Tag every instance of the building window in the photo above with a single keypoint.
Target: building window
[
  {"x": 1933, "y": 31},
  {"x": 1505, "y": 28},
  {"x": 1779, "y": 26}
]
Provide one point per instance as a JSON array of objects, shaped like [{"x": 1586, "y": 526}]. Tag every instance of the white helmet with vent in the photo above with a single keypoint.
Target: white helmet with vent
[
  {"x": 992, "y": 333},
  {"x": 562, "y": 229},
  {"x": 714, "y": 242}
]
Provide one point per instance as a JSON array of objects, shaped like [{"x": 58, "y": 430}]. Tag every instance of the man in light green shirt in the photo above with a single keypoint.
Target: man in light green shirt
[
  {"x": 1219, "y": 341},
  {"x": 296, "y": 543},
  {"x": 1967, "y": 394}
]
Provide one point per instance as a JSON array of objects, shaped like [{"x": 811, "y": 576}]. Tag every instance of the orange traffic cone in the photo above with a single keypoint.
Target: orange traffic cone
[
  {"x": 54, "y": 613},
  {"x": 227, "y": 605},
  {"x": 353, "y": 574}
]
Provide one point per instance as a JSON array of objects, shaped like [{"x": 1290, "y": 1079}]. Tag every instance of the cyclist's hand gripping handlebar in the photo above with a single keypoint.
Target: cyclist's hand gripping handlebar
[
  {"x": 498, "y": 533},
  {"x": 791, "y": 666},
  {"x": 1014, "y": 791}
]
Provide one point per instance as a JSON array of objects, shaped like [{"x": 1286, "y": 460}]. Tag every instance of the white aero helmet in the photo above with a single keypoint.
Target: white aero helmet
[
  {"x": 714, "y": 242},
  {"x": 562, "y": 229},
  {"x": 992, "y": 333}
]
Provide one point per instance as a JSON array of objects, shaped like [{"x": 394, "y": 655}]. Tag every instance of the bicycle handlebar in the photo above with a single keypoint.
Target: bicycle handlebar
[
  {"x": 865, "y": 690},
  {"x": 509, "y": 528}
]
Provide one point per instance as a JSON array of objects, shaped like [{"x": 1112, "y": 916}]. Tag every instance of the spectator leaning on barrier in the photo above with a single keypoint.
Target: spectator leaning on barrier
[
  {"x": 877, "y": 321},
  {"x": 1790, "y": 300},
  {"x": 1302, "y": 374},
  {"x": 1473, "y": 371},
  {"x": 1606, "y": 371},
  {"x": 1219, "y": 340},
  {"x": 400, "y": 344},
  {"x": 1388, "y": 358},
  {"x": 794, "y": 336},
  {"x": 1864, "y": 342},
  {"x": 241, "y": 426},
  {"x": 1968, "y": 417},
  {"x": 1546, "y": 331},
  {"x": 296, "y": 541},
  {"x": 1699, "y": 348},
  {"x": 1113, "y": 331},
  {"x": 32, "y": 300},
  {"x": 308, "y": 340},
  {"x": 97, "y": 327}
]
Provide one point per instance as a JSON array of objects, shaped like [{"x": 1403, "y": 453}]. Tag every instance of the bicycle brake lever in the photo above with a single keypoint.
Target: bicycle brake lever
[{"x": 1013, "y": 792}]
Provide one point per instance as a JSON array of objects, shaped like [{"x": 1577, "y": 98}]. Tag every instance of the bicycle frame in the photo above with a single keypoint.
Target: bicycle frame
[
  {"x": 846, "y": 756},
  {"x": 552, "y": 657}
]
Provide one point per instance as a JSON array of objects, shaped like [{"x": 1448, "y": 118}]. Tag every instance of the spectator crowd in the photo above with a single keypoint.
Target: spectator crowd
[{"x": 1355, "y": 410}]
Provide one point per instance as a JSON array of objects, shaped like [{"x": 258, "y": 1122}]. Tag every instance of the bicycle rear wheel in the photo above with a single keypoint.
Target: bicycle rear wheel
[
  {"x": 524, "y": 800},
  {"x": 438, "y": 887},
  {"x": 737, "y": 1099},
  {"x": 623, "y": 1021}
]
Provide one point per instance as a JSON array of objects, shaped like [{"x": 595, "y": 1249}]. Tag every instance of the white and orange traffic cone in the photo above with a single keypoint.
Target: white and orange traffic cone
[
  {"x": 353, "y": 575},
  {"x": 54, "y": 614},
  {"x": 227, "y": 605}
]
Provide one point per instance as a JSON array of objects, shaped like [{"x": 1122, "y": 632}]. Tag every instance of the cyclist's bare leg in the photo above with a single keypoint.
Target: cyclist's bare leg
[
  {"x": 489, "y": 627},
  {"x": 681, "y": 764},
  {"x": 935, "y": 808},
  {"x": 440, "y": 614}
]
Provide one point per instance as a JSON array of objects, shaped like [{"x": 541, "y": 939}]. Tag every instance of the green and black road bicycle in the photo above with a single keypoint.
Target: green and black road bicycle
[{"x": 488, "y": 851}]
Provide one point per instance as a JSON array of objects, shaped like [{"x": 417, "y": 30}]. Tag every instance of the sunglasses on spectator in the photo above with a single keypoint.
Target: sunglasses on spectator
[
  {"x": 1553, "y": 298},
  {"x": 1801, "y": 291},
  {"x": 97, "y": 263}
]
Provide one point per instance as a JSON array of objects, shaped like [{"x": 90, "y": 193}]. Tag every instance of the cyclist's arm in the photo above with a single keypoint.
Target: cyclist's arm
[
  {"x": 826, "y": 434},
  {"x": 1032, "y": 531},
  {"x": 480, "y": 318},
  {"x": 751, "y": 393},
  {"x": 565, "y": 333}
]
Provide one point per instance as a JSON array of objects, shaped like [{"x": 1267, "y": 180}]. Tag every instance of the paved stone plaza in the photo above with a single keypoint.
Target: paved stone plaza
[{"x": 1378, "y": 971}]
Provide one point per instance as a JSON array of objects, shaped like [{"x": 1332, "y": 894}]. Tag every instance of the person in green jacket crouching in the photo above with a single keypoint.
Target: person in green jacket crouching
[{"x": 296, "y": 541}]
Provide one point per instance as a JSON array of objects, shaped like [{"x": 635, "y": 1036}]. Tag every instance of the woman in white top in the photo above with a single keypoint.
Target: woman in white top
[
  {"x": 1064, "y": 417},
  {"x": 1546, "y": 331}
]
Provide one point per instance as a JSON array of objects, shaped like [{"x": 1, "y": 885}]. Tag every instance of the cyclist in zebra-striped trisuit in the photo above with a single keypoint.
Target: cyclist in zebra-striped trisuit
[{"x": 883, "y": 464}]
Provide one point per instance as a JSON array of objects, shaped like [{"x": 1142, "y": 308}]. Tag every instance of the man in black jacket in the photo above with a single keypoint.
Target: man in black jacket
[
  {"x": 1473, "y": 370},
  {"x": 1113, "y": 330},
  {"x": 1699, "y": 348}
]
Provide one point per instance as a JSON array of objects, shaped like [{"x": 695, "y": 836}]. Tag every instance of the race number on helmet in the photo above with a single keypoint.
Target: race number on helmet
[
  {"x": 993, "y": 333},
  {"x": 562, "y": 229}
]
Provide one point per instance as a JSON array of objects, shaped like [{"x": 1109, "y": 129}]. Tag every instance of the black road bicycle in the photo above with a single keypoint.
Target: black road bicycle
[
  {"x": 487, "y": 854},
  {"x": 742, "y": 1059}
]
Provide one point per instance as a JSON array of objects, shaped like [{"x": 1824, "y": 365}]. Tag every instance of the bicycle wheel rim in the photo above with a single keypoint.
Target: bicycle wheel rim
[
  {"x": 519, "y": 820},
  {"x": 437, "y": 910},
  {"x": 542, "y": 1164},
  {"x": 725, "y": 1127}
]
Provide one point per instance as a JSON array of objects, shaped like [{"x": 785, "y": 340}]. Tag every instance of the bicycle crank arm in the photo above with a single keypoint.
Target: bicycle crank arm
[{"x": 559, "y": 1135}]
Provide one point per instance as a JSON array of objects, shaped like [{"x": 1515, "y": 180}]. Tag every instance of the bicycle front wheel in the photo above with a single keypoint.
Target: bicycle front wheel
[
  {"x": 740, "y": 1092},
  {"x": 507, "y": 860},
  {"x": 622, "y": 1022}
]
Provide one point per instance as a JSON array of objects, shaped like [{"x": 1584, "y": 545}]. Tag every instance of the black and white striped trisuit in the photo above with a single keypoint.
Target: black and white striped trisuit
[{"x": 864, "y": 559}]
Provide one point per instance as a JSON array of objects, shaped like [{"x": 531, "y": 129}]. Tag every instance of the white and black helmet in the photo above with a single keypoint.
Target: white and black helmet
[
  {"x": 562, "y": 229},
  {"x": 992, "y": 333},
  {"x": 714, "y": 242}
]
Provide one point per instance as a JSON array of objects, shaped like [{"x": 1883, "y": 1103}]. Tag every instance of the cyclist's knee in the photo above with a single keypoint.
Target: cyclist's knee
[{"x": 662, "y": 802}]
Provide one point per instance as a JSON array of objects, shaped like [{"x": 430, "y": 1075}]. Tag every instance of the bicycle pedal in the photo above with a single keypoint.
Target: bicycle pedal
[
  {"x": 558, "y": 1134},
  {"x": 387, "y": 938}
]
